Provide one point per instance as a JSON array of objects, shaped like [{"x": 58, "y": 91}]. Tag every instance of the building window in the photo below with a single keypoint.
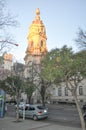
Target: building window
[
  {"x": 66, "y": 91},
  {"x": 54, "y": 91},
  {"x": 41, "y": 44},
  {"x": 80, "y": 90},
  {"x": 32, "y": 44},
  {"x": 59, "y": 91}
]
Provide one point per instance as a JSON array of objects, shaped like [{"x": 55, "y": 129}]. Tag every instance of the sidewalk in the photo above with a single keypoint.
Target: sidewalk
[{"x": 8, "y": 123}]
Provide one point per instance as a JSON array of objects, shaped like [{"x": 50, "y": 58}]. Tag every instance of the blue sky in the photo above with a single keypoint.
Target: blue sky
[{"x": 62, "y": 18}]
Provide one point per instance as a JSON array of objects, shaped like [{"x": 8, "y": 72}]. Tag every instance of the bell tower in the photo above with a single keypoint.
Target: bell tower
[{"x": 36, "y": 48}]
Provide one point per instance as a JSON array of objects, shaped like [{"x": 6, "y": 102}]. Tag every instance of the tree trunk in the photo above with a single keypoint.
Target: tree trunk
[
  {"x": 28, "y": 99},
  {"x": 80, "y": 113},
  {"x": 17, "y": 110},
  {"x": 43, "y": 102}
]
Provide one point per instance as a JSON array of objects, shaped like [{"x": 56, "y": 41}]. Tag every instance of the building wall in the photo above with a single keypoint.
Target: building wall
[
  {"x": 62, "y": 94},
  {"x": 7, "y": 59}
]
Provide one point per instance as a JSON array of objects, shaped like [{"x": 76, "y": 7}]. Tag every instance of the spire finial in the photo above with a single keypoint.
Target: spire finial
[{"x": 37, "y": 14}]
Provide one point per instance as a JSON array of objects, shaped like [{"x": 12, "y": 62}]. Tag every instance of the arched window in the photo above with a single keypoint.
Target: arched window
[
  {"x": 31, "y": 44},
  {"x": 41, "y": 44},
  {"x": 66, "y": 91},
  {"x": 80, "y": 90},
  {"x": 59, "y": 91},
  {"x": 54, "y": 91}
]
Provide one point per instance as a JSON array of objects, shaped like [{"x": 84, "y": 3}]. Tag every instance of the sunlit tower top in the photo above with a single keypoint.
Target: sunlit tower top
[{"x": 36, "y": 39}]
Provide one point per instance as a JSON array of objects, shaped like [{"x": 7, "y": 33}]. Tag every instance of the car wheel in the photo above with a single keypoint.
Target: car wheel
[
  {"x": 35, "y": 118},
  {"x": 46, "y": 117}
]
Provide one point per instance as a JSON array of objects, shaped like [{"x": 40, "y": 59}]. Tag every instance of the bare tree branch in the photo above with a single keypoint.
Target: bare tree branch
[
  {"x": 81, "y": 39},
  {"x": 6, "y": 20}
]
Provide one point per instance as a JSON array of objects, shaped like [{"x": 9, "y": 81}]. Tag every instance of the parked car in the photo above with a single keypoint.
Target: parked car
[
  {"x": 84, "y": 107},
  {"x": 84, "y": 115},
  {"x": 35, "y": 112}
]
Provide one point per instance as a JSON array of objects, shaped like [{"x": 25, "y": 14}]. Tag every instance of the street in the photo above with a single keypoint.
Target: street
[
  {"x": 59, "y": 113},
  {"x": 64, "y": 114},
  {"x": 9, "y": 123}
]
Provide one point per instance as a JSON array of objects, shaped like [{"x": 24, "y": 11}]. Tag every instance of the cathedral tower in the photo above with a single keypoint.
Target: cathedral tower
[{"x": 36, "y": 48}]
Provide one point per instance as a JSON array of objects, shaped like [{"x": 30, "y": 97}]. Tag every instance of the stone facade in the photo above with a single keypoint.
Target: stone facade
[{"x": 63, "y": 95}]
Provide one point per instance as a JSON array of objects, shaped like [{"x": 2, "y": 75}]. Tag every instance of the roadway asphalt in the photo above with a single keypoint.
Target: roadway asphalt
[{"x": 9, "y": 123}]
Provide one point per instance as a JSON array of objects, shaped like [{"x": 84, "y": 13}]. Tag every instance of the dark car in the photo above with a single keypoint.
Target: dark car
[
  {"x": 35, "y": 112},
  {"x": 84, "y": 107},
  {"x": 84, "y": 115}
]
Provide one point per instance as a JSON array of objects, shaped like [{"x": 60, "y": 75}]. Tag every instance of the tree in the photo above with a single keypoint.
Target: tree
[
  {"x": 6, "y": 21},
  {"x": 29, "y": 88},
  {"x": 81, "y": 39},
  {"x": 41, "y": 85},
  {"x": 14, "y": 85},
  {"x": 44, "y": 85},
  {"x": 62, "y": 65}
]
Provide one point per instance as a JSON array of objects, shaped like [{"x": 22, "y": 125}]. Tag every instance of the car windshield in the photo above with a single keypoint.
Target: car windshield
[{"x": 41, "y": 107}]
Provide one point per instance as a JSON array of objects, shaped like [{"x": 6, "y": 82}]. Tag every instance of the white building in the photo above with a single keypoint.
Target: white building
[{"x": 62, "y": 94}]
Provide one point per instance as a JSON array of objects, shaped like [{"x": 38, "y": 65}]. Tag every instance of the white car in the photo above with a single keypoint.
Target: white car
[{"x": 34, "y": 111}]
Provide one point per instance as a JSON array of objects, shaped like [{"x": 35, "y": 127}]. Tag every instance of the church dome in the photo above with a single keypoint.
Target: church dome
[{"x": 37, "y": 27}]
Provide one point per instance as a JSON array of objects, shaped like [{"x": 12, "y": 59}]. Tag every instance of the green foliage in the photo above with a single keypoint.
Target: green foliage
[
  {"x": 80, "y": 60},
  {"x": 49, "y": 65},
  {"x": 11, "y": 85},
  {"x": 29, "y": 87},
  {"x": 53, "y": 63},
  {"x": 61, "y": 64}
]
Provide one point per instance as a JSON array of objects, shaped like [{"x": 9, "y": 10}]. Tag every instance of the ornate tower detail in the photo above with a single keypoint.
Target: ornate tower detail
[{"x": 36, "y": 40}]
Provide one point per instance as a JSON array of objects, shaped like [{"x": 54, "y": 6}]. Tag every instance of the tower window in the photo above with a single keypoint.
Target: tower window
[
  {"x": 31, "y": 44},
  {"x": 41, "y": 44}
]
